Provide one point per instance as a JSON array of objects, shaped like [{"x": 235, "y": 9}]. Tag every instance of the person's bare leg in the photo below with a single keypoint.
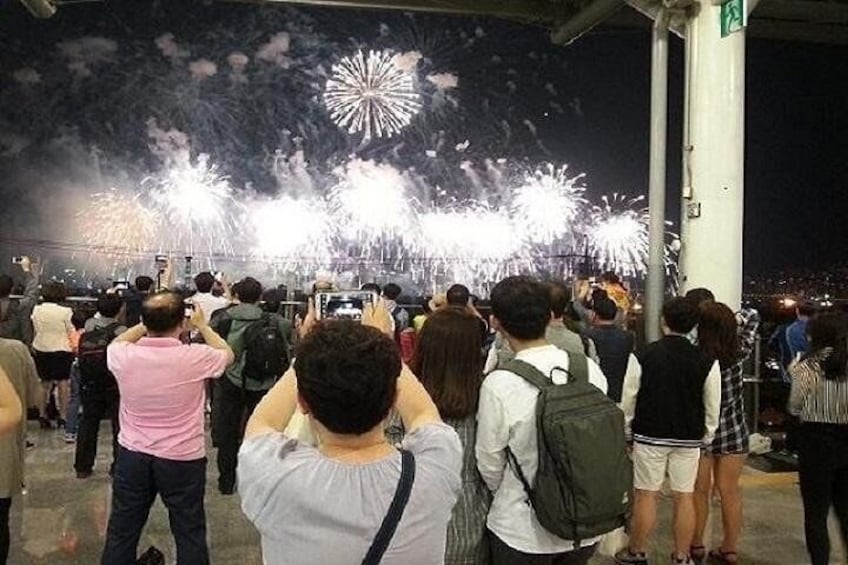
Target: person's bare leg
[
  {"x": 644, "y": 520},
  {"x": 46, "y": 387},
  {"x": 728, "y": 471},
  {"x": 63, "y": 392},
  {"x": 703, "y": 490},
  {"x": 684, "y": 522}
]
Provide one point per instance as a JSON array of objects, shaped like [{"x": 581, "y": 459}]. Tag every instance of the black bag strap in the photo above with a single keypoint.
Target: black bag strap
[
  {"x": 529, "y": 373},
  {"x": 578, "y": 367},
  {"x": 519, "y": 472},
  {"x": 390, "y": 522}
]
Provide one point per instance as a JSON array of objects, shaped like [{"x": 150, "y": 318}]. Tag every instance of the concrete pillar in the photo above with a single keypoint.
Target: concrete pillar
[{"x": 713, "y": 187}]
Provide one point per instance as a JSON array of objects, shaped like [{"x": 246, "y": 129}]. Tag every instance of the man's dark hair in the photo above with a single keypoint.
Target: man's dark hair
[
  {"x": 163, "y": 312},
  {"x": 143, "y": 283},
  {"x": 347, "y": 375},
  {"x": 680, "y": 315},
  {"x": 560, "y": 299},
  {"x": 6, "y": 284},
  {"x": 109, "y": 305},
  {"x": 249, "y": 290},
  {"x": 700, "y": 295},
  {"x": 611, "y": 278},
  {"x": 54, "y": 292},
  {"x": 807, "y": 308},
  {"x": 372, "y": 287},
  {"x": 458, "y": 295},
  {"x": 204, "y": 282},
  {"x": 606, "y": 309},
  {"x": 78, "y": 319},
  {"x": 271, "y": 300},
  {"x": 522, "y": 305},
  {"x": 392, "y": 291}
]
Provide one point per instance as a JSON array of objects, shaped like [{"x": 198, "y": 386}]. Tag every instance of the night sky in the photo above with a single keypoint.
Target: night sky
[{"x": 587, "y": 103}]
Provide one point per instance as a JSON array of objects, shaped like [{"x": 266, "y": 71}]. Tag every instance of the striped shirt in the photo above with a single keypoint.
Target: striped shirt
[{"x": 815, "y": 398}]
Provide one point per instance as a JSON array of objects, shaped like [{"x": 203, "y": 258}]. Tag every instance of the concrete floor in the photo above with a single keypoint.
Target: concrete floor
[{"x": 62, "y": 520}]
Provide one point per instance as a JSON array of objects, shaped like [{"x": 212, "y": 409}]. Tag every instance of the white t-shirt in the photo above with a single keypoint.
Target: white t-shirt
[
  {"x": 209, "y": 303},
  {"x": 507, "y": 417},
  {"x": 52, "y": 326}
]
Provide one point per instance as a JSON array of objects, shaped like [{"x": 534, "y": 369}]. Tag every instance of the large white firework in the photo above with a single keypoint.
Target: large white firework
[
  {"x": 473, "y": 244},
  {"x": 371, "y": 94},
  {"x": 370, "y": 205},
  {"x": 293, "y": 232},
  {"x": 545, "y": 206},
  {"x": 618, "y": 235},
  {"x": 196, "y": 206}
]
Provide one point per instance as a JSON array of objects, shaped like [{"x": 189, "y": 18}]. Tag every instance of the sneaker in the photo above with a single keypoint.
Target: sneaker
[
  {"x": 84, "y": 474},
  {"x": 29, "y": 445},
  {"x": 70, "y": 437},
  {"x": 625, "y": 557}
]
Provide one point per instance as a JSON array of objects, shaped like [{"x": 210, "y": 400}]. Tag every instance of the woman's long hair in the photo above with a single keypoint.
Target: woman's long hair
[
  {"x": 830, "y": 330},
  {"x": 449, "y": 361},
  {"x": 718, "y": 336}
]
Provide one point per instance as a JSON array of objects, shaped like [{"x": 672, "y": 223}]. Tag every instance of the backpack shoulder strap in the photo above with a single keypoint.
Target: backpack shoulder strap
[
  {"x": 390, "y": 522},
  {"x": 578, "y": 367},
  {"x": 528, "y": 372}
]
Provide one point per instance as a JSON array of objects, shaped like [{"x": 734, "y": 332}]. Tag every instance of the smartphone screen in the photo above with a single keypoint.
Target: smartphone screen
[{"x": 343, "y": 305}]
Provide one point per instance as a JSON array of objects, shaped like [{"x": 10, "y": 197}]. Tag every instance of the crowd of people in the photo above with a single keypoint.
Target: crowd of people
[{"x": 534, "y": 435}]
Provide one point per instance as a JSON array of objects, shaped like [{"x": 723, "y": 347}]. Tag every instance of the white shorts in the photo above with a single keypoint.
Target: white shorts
[{"x": 651, "y": 462}]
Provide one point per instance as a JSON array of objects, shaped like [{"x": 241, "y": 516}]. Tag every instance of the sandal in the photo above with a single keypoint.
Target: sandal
[
  {"x": 698, "y": 553},
  {"x": 721, "y": 557}
]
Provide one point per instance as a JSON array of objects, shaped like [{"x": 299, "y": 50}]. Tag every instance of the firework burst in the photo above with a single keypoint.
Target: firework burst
[
  {"x": 371, "y": 208},
  {"x": 545, "y": 206},
  {"x": 618, "y": 234},
  {"x": 371, "y": 94},
  {"x": 197, "y": 207},
  {"x": 294, "y": 232},
  {"x": 118, "y": 223}
]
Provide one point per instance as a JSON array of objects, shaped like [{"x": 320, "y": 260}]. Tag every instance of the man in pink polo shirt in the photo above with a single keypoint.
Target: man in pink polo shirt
[{"x": 162, "y": 448}]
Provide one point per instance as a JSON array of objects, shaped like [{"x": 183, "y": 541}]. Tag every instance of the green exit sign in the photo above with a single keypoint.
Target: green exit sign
[{"x": 733, "y": 16}]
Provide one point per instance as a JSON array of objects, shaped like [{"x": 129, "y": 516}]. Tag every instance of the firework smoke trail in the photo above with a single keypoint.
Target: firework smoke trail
[
  {"x": 618, "y": 235},
  {"x": 371, "y": 94},
  {"x": 545, "y": 206}
]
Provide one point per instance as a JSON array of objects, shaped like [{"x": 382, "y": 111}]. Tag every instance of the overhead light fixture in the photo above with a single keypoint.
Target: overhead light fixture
[{"x": 40, "y": 8}]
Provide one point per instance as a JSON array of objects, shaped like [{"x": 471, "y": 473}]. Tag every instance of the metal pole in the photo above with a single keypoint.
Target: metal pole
[{"x": 655, "y": 286}]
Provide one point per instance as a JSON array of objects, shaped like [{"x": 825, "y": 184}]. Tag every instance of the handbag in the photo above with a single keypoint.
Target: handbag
[{"x": 395, "y": 513}]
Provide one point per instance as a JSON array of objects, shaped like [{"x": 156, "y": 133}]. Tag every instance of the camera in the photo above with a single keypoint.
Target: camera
[
  {"x": 17, "y": 260},
  {"x": 161, "y": 261},
  {"x": 344, "y": 305},
  {"x": 189, "y": 309}
]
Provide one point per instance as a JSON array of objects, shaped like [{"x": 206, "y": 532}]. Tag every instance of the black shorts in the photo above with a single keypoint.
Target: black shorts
[{"x": 53, "y": 365}]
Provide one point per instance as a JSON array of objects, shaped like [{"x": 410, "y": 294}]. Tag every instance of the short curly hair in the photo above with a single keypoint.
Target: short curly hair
[{"x": 347, "y": 375}]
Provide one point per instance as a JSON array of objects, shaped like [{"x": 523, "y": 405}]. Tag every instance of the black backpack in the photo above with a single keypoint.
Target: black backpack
[
  {"x": 266, "y": 351},
  {"x": 584, "y": 480},
  {"x": 95, "y": 375}
]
